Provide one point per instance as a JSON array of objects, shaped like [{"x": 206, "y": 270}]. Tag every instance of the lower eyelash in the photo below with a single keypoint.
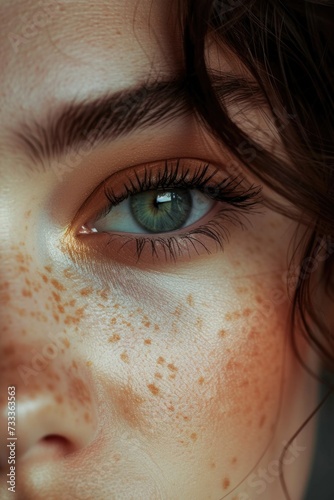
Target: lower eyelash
[{"x": 173, "y": 246}]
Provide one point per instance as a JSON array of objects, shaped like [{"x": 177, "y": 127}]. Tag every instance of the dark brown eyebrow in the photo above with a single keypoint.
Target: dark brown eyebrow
[{"x": 91, "y": 122}]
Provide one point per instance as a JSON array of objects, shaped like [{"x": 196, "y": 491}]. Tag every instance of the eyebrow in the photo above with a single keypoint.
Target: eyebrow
[{"x": 91, "y": 122}]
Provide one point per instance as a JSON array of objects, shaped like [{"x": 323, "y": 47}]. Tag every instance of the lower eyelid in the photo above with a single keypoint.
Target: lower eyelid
[{"x": 163, "y": 249}]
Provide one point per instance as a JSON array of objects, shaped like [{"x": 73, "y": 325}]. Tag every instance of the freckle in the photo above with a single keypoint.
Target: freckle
[
  {"x": 116, "y": 306},
  {"x": 246, "y": 312},
  {"x": 252, "y": 334},
  {"x": 61, "y": 309},
  {"x": 156, "y": 328},
  {"x": 56, "y": 317},
  {"x": 59, "y": 399},
  {"x": 71, "y": 320},
  {"x": 262, "y": 421},
  {"x": 56, "y": 296},
  {"x": 160, "y": 360},
  {"x": 86, "y": 291},
  {"x": 232, "y": 316},
  {"x": 66, "y": 343},
  {"x": 26, "y": 293},
  {"x": 114, "y": 338},
  {"x": 20, "y": 258},
  {"x": 87, "y": 417},
  {"x": 148, "y": 341},
  {"x": 177, "y": 312},
  {"x": 89, "y": 363},
  {"x": 199, "y": 323},
  {"x": 222, "y": 333},
  {"x": 190, "y": 300},
  {"x": 186, "y": 418},
  {"x": 201, "y": 381},
  {"x": 234, "y": 460},
  {"x": 113, "y": 321},
  {"x": 45, "y": 278},
  {"x": 124, "y": 357},
  {"x": 75, "y": 366},
  {"x": 158, "y": 375},
  {"x": 50, "y": 387},
  {"x": 172, "y": 367},
  {"x": 171, "y": 377},
  {"x": 58, "y": 285},
  {"x": 68, "y": 273},
  {"x": 258, "y": 299},
  {"x": 147, "y": 324},
  {"x": 80, "y": 311},
  {"x": 171, "y": 408},
  {"x": 226, "y": 483},
  {"x": 153, "y": 388},
  {"x": 193, "y": 436},
  {"x": 48, "y": 269},
  {"x": 212, "y": 465}
]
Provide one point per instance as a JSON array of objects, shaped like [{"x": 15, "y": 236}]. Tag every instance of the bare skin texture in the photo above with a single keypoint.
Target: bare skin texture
[{"x": 147, "y": 379}]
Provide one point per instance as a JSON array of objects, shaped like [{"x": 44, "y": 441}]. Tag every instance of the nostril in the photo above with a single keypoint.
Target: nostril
[
  {"x": 52, "y": 446},
  {"x": 59, "y": 444}
]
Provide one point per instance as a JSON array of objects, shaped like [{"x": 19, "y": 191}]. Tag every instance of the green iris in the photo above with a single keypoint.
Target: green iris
[{"x": 161, "y": 211}]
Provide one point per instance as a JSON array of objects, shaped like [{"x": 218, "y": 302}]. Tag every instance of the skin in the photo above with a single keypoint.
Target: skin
[{"x": 188, "y": 390}]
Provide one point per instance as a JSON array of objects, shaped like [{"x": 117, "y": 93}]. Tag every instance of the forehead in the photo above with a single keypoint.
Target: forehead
[{"x": 64, "y": 49}]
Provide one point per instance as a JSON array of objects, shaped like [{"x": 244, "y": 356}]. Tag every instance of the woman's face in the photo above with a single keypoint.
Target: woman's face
[{"x": 145, "y": 367}]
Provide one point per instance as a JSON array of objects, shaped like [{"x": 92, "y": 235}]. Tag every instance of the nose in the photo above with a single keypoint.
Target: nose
[
  {"x": 45, "y": 423},
  {"x": 48, "y": 430}
]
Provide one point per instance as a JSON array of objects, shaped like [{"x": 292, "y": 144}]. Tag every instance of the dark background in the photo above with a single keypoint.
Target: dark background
[{"x": 321, "y": 484}]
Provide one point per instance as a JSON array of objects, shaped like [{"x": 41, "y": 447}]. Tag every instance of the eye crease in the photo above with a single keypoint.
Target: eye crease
[{"x": 167, "y": 208}]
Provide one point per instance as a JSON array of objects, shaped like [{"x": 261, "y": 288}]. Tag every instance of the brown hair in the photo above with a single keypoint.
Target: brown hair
[{"x": 288, "y": 49}]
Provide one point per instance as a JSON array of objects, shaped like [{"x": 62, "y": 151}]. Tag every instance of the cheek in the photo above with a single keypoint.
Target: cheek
[
  {"x": 191, "y": 374},
  {"x": 216, "y": 394}
]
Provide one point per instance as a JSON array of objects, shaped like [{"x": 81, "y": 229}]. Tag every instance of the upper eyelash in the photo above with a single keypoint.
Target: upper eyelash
[{"x": 173, "y": 177}]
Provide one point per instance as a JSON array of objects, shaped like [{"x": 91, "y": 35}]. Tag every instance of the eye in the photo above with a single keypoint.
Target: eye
[
  {"x": 156, "y": 211},
  {"x": 170, "y": 210}
]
